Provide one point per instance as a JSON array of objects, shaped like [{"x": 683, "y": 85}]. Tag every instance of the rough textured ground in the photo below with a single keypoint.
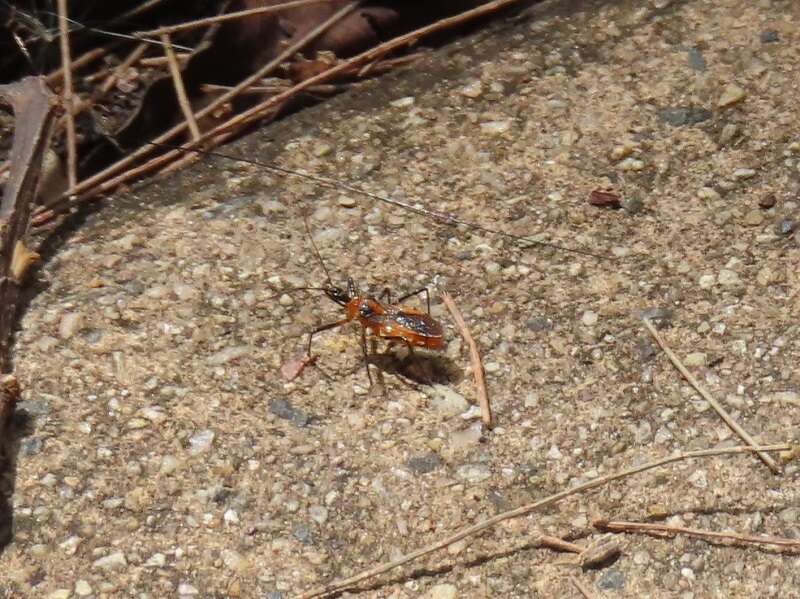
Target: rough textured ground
[{"x": 164, "y": 455}]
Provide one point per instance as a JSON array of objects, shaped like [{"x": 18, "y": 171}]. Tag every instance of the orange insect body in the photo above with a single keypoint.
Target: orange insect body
[{"x": 411, "y": 325}]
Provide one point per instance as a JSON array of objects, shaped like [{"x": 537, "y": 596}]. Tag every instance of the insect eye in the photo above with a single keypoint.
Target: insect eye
[{"x": 365, "y": 311}]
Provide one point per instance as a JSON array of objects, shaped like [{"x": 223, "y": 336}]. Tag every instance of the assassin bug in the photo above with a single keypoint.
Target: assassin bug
[{"x": 384, "y": 319}]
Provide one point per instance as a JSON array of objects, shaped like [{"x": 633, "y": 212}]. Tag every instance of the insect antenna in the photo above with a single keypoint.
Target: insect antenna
[
  {"x": 316, "y": 250},
  {"x": 442, "y": 217}
]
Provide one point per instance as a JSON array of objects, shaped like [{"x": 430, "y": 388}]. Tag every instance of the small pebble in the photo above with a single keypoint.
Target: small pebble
[
  {"x": 589, "y": 318},
  {"x": 696, "y": 60},
  {"x": 785, "y": 227},
  {"x": 728, "y": 277},
  {"x": 303, "y": 534},
  {"x": 466, "y": 437},
  {"x": 753, "y": 218},
  {"x": 491, "y": 367},
  {"x": 443, "y": 591},
  {"x": 321, "y": 148},
  {"x": 185, "y": 589},
  {"x": 114, "y": 561},
  {"x": 70, "y": 324},
  {"x": 611, "y": 580},
  {"x": 448, "y": 401},
  {"x": 695, "y": 359},
  {"x": 767, "y": 201},
  {"x": 318, "y": 513},
  {"x": 344, "y": 202},
  {"x": 157, "y": 560},
  {"x": 473, "y": 473},
  {"x": 404, "y": 102},
  {"x": 769, "y": 37},
  {"x": 201, "y": 442},
  {"x": 228, "y": 354},
  {"x": 424, "y": 464},
  {"x": 708, "y": 193},
  {"x": 744, "y": 173},
  {"x": 83, "y": 588},
  {"x": 729, "y": 131},
  {"x": 631, "y": 164},
  {"x": 623, "y": 151},
  {"x": 283, "y": 409},
  {"x": 496, "y": 127},
  {"x": 473, "y": 89},
  {"x": 731, "y": 95},
  {"x": 678, "y": 116}
]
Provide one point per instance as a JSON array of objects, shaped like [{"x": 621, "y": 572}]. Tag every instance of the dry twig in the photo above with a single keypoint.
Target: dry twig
[
  {"x": 475, "y": 359},
  {"x": 180, "y": 88},
  {"x": 340, "y": 585},
  {"x": 227, "y": 17},
  {"x": 66, "y": 63},
  {"x": 105, "y": 180},
  {"x": 100, "y": 182},
  {"x": 33, "y": 114},
  {"x": 581, "y": 587},
  {"x": 782, "y": 544},
  {"x": 735, "y": 427}
]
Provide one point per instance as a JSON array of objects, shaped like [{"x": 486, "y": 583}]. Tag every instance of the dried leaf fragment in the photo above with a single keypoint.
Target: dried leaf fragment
[{"x": 22, "y": 260}]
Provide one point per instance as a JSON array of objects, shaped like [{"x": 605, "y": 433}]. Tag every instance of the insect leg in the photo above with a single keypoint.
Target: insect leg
[
  {"x": 324, "y": 327},
  {"x": 417, "y": 292},
  {"x": 364, "y": 349},
  {"x": 386, "y": 293}
]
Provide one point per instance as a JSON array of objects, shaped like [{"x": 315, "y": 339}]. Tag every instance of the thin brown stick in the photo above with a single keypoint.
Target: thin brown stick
[
  {"x": 475, "y": 358},
  {"x": 69, "y": 109},
  {"x": 160, "y": 61},
  {"x": 409, "y": 39},
  {"x": 558, "y": 544},
  {"x": 346, "y": 583},
  {"x": 227, "y": 17},
  {"x": 180, "y": 88},
  {"x": 582, "y": 589},
  {"x": 32, "y": 103},
  {"x": 734, "y": 426},
  {"x": 784, "y": 545},
  {"x": 100, "y": 182},
  {"x": 84, "y": 59}
]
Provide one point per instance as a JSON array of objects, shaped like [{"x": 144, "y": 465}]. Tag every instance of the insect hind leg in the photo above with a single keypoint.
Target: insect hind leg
[{"x": 417, "y": 292}]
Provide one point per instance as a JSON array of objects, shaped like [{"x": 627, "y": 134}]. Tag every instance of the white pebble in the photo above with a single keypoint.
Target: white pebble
[
  {"x": 318, "y": 513},
  {"x": 473, "y": 89},
  {"x": 589, "y": 318},
  {"x": 185, "y": 588},
  {"x": 473, "y": 473},
  {"x": 728, "y": 277},
  {"x": 113, "y": 561},
  {"x": 227, "y": 354},
  {"x": 706, "y": 281},
  {"x": 496, "y": 127},
  {"x": 403, "y": 102},
  {"x": 201, "y": 442},
  {"x": 443, "y": 591},
  {"x": 70, "y": 324}
]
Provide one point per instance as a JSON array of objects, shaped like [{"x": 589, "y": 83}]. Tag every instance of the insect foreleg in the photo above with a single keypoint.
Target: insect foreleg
[
  {"x": 324, "y": 327},
  {"x": 364, "y": 349}
]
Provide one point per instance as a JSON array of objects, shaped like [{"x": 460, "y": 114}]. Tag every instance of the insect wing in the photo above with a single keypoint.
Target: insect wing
[{"x": 416, "y": 327}]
